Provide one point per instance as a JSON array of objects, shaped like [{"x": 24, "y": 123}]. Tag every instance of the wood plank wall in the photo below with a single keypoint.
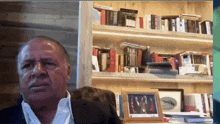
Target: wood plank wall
[{"x": 20, "y": 21}]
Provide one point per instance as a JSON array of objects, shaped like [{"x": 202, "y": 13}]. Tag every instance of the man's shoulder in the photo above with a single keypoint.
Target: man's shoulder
[
  {"x": 11, "y": 114},
  {"x": 11, "y": 110}
]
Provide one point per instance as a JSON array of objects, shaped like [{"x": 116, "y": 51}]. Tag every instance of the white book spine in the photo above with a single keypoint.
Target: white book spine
[
  {"x": 159, "y": 22},
  {"x": 208, "y": 29},
  {"x": 200, "y": 28},
  {"x": 178, "y": 24},
  {"x": 206, "y": 104},
  {"x": 166, "y": 25},
  {"x": 148, "y": 21},
  {"x": 199, "y": 105},
  {"x": 173, "y": 25},
  {"x": 182, "y": 26}
]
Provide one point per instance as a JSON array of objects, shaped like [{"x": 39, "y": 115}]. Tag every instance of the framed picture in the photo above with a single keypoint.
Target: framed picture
[
  {"x": 172, "y": 100},
  {"x": 141, "y": 106}
]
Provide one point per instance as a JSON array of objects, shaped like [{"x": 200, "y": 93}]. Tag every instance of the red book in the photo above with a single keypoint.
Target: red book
[
  {"x": 173, "y": 63},
  {"x": 155, "y": 57},
  {"x": 141, "y": 22},
  {"x": 112, "y": 61},
  {"x": 160, "y": 59},
  {"x": 103, "y": 17},
  {"x": 189, "y": 108},
  {"x": 94, "y": 52}
]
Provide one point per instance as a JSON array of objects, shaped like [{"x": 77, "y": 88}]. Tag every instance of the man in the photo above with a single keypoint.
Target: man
[
  {"x": 137, "y": 107},
  {"x": 43, "y": 68}
]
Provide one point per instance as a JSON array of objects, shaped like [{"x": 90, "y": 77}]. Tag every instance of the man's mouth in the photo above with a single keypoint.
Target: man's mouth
[{"x": 39, "y": 87}]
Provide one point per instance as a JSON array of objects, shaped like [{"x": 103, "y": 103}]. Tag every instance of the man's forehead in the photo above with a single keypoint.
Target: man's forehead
[
  {"x": 42, "y": 44},
  {"x": 39, "y": 46}
]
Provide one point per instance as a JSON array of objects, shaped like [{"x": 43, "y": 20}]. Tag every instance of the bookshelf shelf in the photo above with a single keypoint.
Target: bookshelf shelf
[
  {"x": 152, "y": 77},
  {"x": 161, "y": 41}
]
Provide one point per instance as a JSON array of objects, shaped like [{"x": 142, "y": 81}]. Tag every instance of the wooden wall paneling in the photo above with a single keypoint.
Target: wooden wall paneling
[{"x": 58, "y": 15}]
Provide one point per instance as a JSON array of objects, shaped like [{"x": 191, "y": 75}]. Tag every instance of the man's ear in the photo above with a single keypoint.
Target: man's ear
[{"x": 68, "y": 72}]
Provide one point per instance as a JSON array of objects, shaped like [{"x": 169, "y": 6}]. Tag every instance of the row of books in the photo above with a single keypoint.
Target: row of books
[
  {"x": 140, "y": 59},
  {"x": 129, "y": 18},
  {"x": 175, "y": 23}
]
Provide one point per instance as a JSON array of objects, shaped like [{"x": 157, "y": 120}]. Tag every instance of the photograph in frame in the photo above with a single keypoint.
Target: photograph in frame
[
  {"x": 142, "y": 105},
  {"x": 172, "y": 100}
]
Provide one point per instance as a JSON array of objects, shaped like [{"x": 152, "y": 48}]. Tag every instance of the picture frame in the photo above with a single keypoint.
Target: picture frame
[
  {"x": 142, "y": 106},
  {"x": 172, "y": 100}
]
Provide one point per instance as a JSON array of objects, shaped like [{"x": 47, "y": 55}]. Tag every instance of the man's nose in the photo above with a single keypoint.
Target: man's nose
[{"x": 38, "y": 69}]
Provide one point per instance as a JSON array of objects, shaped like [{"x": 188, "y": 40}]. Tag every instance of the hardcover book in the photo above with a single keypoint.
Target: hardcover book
[
  {"x": 103, "y": 17},
  {"x": 141, "y": 22},
  {"x": 146, "y": 56}
]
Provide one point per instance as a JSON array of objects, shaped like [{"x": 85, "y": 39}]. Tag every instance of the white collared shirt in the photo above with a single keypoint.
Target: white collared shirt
[{"x": 63, "y": 114}]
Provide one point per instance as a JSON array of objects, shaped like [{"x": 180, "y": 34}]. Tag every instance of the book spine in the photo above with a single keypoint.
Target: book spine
[
  {"x": 166, "y": 25},
  {"x": 111, "y": 17},
  {"x": 126, "y": 56},
  {"x": 178, "y": 24},
  {"x": 139, "y": 56},
  {"x": 107, "y": 17},
  {"x": 95, "y": 52},
  {"x": 208, "y": 27},
  {"x": 173, "y": 63},
  {"x": 152, "y": 21},
  {"x": 104, "y": 61},
  {"x": 156, "y": 21},
  {"x": 169, "y": 24},
  {"x": 189, "y": 103},
  {"x": 116, "y": 63},
  {"x": 103, "y": 17},
  {"x": 149, "y": 22},
  {"x": 155, "y": 57},
  {"x": 185, "y": 25},
  {"x": 122, "y": 64},
  {"x": 115, "y": 18},
  {"x": 197, "y": 26},
  {"x": 206, "y": 104},
  {"x": 181, "y": 25},
  {"x": 112, "y": 60},
  {"x": 199, "y": 105},
  {"x": 141, "y": 22},
  {"x": 203, "y": 27},
  {"x": 159, "y": 23},
  {"x": 119, "y": 63},
  {"x": 173, "y": 25}
]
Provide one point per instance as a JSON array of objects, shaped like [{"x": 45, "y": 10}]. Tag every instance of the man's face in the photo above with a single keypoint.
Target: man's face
[{"x": 43, "y": 71}]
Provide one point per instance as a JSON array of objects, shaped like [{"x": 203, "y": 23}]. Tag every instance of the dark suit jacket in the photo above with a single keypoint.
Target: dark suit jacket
[
  {"x": 84, "y": 112},
  {"x": 216, "y": 111}
]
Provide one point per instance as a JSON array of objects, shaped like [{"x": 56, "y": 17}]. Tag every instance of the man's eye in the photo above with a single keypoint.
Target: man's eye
[
  {"x": 26, "y": 66},
  {"x": 50, "y": 64}
]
